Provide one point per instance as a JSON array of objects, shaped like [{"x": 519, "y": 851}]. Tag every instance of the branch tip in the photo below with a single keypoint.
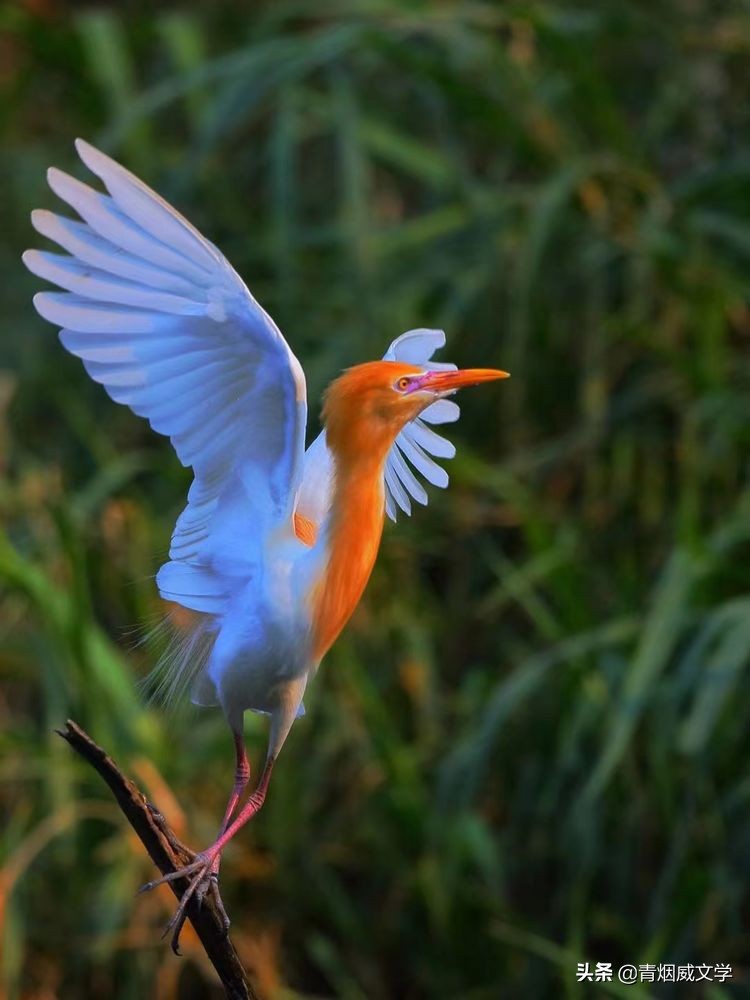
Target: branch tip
[{"x": 168, "y": 854}]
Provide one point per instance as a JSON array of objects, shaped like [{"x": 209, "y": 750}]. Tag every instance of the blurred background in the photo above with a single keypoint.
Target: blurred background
[{"x": 529, "y": 749}]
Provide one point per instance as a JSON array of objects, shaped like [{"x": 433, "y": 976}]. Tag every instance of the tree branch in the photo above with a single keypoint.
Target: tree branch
[{"x": 168, "y": 854}]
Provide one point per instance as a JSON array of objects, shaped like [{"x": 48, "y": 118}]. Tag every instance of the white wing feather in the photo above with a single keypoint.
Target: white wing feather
[
  {"x": 416, "y": 442},
  {"x": 160, "y": 318}
]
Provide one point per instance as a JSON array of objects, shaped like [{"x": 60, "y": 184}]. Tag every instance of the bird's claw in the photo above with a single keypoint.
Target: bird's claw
[
  {"x": 203, "y": 881},
  {"x": 175, "y": 924},
  {"x": 218, "y": 902}
]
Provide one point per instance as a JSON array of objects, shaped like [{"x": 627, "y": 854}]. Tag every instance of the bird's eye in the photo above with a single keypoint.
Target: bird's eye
[{"x": 403, "y": 383}]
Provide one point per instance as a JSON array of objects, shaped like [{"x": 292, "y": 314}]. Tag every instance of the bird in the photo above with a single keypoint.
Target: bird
[{"x": 276, "y": 543}]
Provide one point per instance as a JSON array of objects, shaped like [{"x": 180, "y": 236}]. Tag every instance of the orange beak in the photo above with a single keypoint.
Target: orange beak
[{"x": 450, "y": 381}]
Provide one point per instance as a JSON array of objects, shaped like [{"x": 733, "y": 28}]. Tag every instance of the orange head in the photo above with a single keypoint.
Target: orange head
[{"x": 367, "y": 406}]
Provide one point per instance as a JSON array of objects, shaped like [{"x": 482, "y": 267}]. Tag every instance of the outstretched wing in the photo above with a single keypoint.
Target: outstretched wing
[
  {"x": 417, "y": 442},
  {"x": 411, "y": 456},
  {"x": 160, "y": 318}
]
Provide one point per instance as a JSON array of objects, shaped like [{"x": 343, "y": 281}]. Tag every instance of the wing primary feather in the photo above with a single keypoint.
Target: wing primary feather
[
  {"x": 410, "y": 482},
  {"x": 389, "y": 507},
  {"x": 442, "y": 411},
  {"x": 431, "y": 471},
  {"x": 92, "y": 283},
  {"x": 433, "y": 443},
  {"x": 89, "y": 247},
  {"x": 67, "y": 309},
  {"x": 149, "y": 209},
  {"x": 103, "y": 215},
  {"x": 395, "y": 487}
]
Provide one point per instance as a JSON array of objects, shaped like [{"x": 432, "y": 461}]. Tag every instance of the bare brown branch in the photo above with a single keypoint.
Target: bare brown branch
[{"x": 168, "y": 853}]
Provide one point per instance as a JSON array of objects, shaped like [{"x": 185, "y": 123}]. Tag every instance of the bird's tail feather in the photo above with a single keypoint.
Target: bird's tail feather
[{"x": 187, "y": 639}]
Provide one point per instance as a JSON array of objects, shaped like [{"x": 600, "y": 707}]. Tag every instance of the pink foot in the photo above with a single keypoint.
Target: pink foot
[{"x": 202, "y": 872}]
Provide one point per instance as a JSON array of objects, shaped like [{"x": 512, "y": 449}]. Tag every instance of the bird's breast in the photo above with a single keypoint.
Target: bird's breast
[{"x": 351, "y": 547}]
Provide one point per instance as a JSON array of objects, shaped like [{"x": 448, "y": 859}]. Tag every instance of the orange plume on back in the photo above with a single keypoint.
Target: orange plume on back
[{"x": 305, "y": 530}]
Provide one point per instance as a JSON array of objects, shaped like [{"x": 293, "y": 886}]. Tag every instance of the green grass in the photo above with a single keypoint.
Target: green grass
[{"x": 529, "y": 748}]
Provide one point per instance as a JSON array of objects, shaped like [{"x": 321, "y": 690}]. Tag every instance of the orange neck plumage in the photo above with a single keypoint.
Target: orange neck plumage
[
  {"x": 355, "y": 529},
  {"x": 363, "y": 415}
]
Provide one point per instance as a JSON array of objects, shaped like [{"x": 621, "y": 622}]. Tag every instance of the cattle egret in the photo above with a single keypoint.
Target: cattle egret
[{"x": 276, "y": 543}]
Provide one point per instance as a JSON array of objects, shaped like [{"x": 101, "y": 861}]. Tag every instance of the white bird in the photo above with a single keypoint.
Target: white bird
[{"x": 276, "y": 544}]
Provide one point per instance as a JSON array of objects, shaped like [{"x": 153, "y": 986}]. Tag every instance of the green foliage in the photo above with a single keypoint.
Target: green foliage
[{"x": 529, "y": 747}]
